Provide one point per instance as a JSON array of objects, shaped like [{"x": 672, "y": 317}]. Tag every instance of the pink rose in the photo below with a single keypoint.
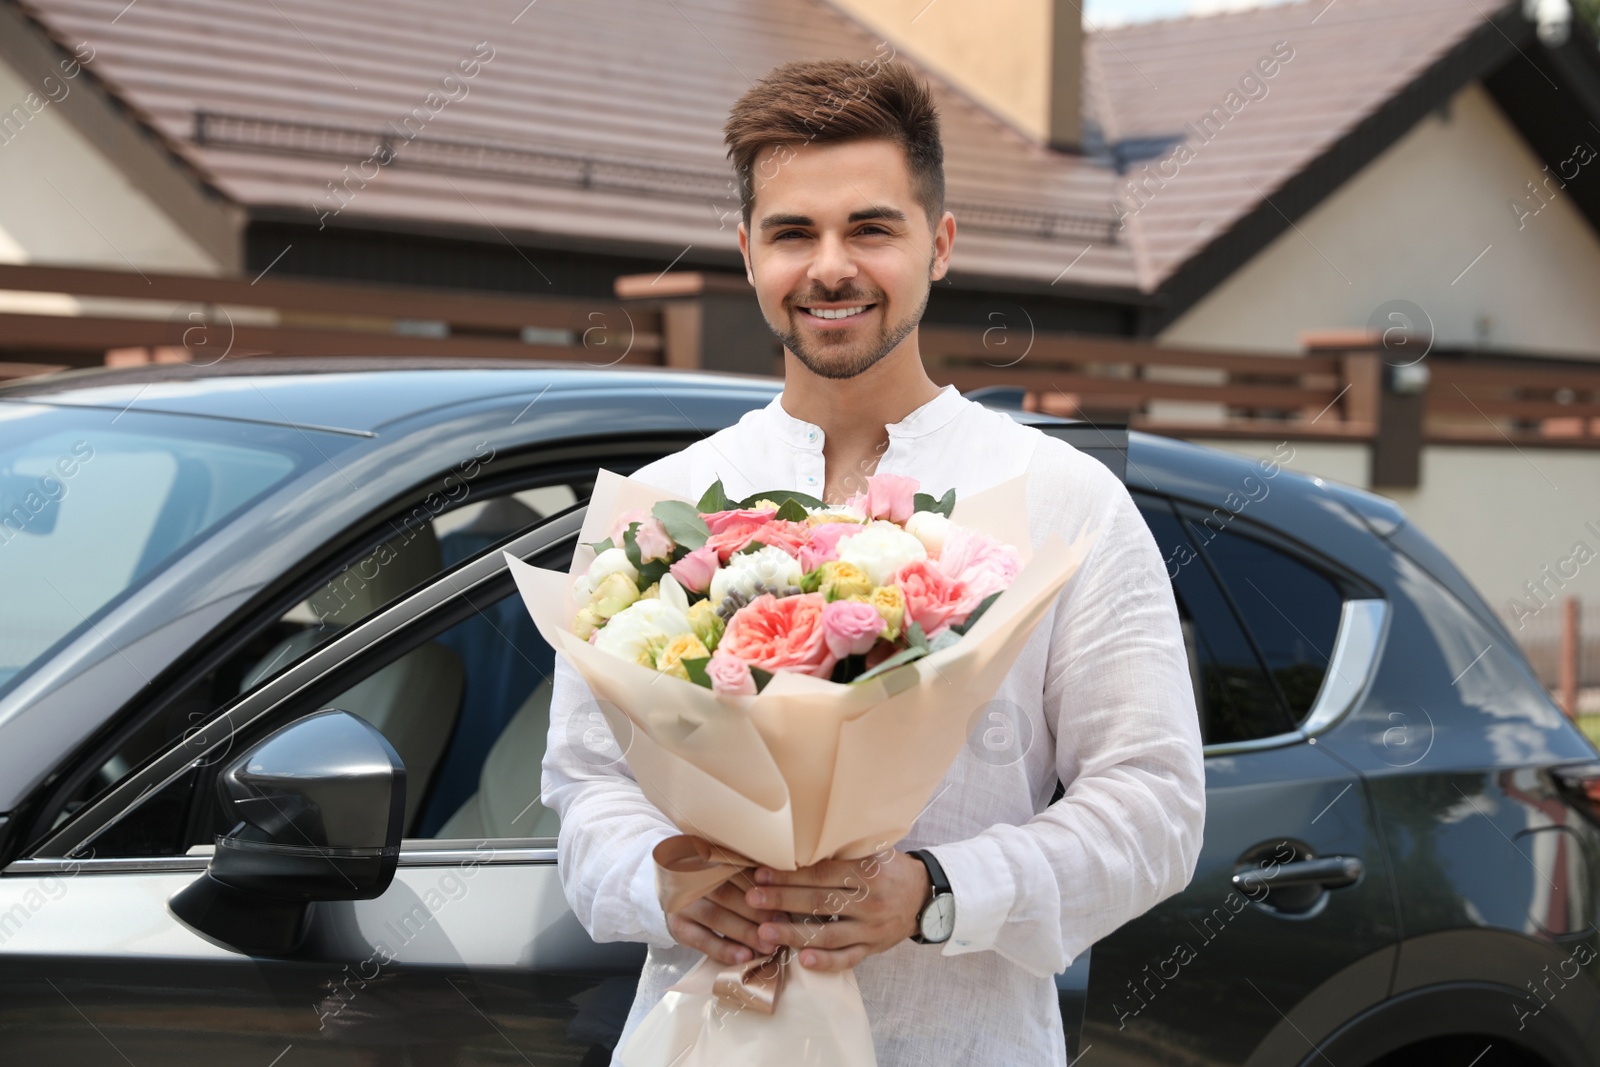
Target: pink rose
[
  {"x": 888, "y": 496},
  {"x": 694, "y": 571},
  {"x": 653, "y": 540},
  {"x": 823, "y": 545},
  {"x": 620, "y": 524},
  {"x": 730, "y": 674},
  {"x": 934, "y": 600},
  {"x": 983, "y": 563},
  {"x": 780, "y": 634},
  {"x": 717, "y": 521},
  {"x": 850, "y": 627}
]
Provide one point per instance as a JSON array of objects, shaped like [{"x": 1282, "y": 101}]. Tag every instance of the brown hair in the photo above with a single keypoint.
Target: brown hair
[{"x": 832, "y": 101}]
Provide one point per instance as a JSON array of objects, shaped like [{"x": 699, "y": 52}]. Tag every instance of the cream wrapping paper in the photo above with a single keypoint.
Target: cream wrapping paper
[{"x": 807, "y": 769}]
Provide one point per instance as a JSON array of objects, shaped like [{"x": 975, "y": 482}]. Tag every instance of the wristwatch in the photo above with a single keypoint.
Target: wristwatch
[{"x": 937, "y": 919}]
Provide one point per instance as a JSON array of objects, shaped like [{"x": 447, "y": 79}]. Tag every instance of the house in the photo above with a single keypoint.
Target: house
[{"x": 1308, "y": 174}]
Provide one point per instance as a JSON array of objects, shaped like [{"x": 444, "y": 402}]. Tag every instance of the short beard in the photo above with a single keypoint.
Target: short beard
[{"x": 889, "y": 337}]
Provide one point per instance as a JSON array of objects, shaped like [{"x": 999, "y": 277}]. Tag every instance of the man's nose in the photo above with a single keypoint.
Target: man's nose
[{"x": 832, "y": 263}]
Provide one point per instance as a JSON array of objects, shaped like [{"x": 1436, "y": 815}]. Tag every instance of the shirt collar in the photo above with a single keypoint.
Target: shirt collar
[{"x": 931, "y": 416}]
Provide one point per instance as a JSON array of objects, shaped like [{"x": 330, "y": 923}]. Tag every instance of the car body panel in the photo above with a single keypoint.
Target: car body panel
[{"x": 1359, "y": 788}]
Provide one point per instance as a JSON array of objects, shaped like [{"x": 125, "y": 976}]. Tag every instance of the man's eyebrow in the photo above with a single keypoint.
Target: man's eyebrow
[{"x": 894, "y": 214}]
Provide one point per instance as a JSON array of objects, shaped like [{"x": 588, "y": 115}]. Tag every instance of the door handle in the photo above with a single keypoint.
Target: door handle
[{"x": 1329, "y": 872}]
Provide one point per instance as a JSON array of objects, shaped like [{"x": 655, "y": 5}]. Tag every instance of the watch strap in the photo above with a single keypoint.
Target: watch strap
[{"x": 939, "y": 886}]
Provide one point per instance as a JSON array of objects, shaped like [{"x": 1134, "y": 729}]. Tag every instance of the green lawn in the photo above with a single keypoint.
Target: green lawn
[{"x": 1590, "y": 724}]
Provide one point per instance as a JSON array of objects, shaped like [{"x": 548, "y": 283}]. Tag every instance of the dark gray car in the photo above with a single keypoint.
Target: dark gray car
[{"x": 1400, "y": 851}]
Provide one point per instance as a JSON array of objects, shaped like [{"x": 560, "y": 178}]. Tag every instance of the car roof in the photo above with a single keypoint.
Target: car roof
[{"x": 335, "y": 392}]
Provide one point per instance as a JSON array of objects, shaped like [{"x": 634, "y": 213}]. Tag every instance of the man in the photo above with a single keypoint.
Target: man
[{"x": 844, "y": 231}]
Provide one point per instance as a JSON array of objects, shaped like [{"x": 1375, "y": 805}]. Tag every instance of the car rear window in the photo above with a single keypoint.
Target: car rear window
[{"x": 94, "y": 501}]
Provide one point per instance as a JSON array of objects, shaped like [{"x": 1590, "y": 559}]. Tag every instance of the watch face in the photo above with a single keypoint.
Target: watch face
[{"x": 939, "y": 917}]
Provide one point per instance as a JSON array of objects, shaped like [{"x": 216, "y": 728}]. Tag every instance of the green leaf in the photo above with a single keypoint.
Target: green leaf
[
  {"x": 600, "y": 546},
  {"x": 779, "y": 496},
  {"x": 684, "y": 524},
  {"x": 943, "y": 506},
  {"x": 944, "y": 640},
  {"x": 714, "y": 499},
  {"x": 811, "y": 580},
  {"x": 630, "y": 545},
  {"x": 976, "y": 613},
  {"x": 904, "y": 656},
  {"x": 697, "y": 670},
  {"x": 762, "y": 677},
  {"x": 791, "y": 511}
]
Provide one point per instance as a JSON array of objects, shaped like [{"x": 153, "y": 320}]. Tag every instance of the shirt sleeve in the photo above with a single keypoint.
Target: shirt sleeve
[
  {"x": 1120, "y": 705},
  {"x": 607, "y": 826}
]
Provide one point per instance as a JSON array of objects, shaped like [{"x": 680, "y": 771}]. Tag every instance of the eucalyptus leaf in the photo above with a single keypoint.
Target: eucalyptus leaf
[
  {"x": 943, "y": 640},
  {"x": 915, "y": 637},
  {"x": 904, "y": 656},
  {"x": 600, "y": 546},
  {"x": 684, "y": 524},
  {"x": 714, "y": 499}
]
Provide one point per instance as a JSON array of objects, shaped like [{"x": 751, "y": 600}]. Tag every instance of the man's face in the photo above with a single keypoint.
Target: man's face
[{"x": 841, "y": 254}]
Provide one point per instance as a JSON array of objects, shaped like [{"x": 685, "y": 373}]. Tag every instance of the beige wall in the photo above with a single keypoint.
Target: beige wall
[
  {"x": 1405, "y": 228},
  {"x": 1500, "y": 514},
  {"x": 63, "y": 202},
  {"x": 1001, "y": 52}
]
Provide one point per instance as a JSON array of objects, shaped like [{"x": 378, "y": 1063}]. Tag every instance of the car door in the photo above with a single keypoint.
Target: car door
[
  {"x": 471, "y": 955},
  {"x": 1289, "y": 917}
]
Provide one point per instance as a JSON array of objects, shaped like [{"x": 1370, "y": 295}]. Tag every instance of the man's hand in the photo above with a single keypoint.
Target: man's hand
[
  {"x": 724, "y": 911},
  {"x": 875, "y": 899}
]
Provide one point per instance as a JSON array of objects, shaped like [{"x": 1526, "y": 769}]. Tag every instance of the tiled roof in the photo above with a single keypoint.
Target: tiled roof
[{"x": 631, "y": 95}]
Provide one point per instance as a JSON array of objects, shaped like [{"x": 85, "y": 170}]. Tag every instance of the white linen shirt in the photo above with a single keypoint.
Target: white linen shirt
[{"x": 1100, "y": 697}]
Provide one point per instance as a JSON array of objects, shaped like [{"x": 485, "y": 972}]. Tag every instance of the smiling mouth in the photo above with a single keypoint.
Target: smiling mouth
[{"x": 837, "y": 314}]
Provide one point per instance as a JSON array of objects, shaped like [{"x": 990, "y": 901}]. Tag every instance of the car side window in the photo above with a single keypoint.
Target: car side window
[
  {"x": 468, "y": 712},
  {"x": 1234, "y": 694},
  {"x": 1289, "y": 607},
  {"x": 427, "y": 543}
]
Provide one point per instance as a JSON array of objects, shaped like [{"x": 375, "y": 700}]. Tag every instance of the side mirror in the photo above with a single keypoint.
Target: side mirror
[{"x": 320, "y": 805}]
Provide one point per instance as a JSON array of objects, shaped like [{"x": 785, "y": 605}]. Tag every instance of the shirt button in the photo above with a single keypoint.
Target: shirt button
[
  {"x": 811, "y": 435},
  {"x": 811, "y": 479}
]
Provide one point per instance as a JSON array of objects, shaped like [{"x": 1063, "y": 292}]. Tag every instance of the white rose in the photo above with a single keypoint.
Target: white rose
[
  {"x": 769, "y": 565},
  {"x": 611, "y": 561},
  {"x": 930, "y": 528},
  {"x": 880, "y": 550},
  {"x": 631, "y": 630}
]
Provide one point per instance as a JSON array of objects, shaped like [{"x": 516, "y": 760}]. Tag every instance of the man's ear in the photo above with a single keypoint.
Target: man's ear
[{"x": 744, "y": 250}]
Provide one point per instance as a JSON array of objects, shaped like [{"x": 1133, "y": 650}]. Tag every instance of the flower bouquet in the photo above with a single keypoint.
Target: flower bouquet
[{"x": 789, "y": 682}]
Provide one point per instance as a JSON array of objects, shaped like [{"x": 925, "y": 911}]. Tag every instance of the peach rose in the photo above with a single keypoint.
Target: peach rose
[
  {"x": 792, "y": 537},
  {"x": 934, "y": 600},
  {"x": 732, "y": 537},
  {"x": 780, "y": 633}
]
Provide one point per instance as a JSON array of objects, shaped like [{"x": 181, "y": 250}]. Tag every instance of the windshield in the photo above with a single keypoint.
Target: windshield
[{"x": 93, "y": 502}]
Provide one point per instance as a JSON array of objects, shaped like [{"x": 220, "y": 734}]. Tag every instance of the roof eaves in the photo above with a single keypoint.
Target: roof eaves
[
  {"x": 125, "y": 134},
  {"x": 1478, "y": 53}
]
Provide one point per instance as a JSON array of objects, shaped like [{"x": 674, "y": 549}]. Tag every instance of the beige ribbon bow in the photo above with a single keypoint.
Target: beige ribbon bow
[{"x": 688, "y": 868}]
